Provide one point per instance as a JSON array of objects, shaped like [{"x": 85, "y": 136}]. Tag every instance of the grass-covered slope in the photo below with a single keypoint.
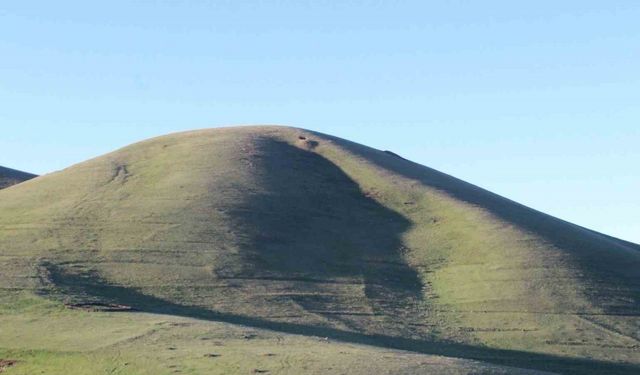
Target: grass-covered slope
[
  {"x": 301, "y": 233},
  {"x": 9, "y": 177}
]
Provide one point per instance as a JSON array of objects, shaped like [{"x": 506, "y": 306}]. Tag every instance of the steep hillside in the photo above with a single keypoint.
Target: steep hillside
[
  {"x": 301, "y": 233},
  {"x": 9, "y": 177}
]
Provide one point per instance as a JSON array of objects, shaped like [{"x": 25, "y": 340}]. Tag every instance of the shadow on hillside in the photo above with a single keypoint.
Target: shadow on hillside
[
  {"x": 310, "y": 222},
  {"x": 613, "y": 264},
  {"x": 10, "y": 177},
  {"x": 90, "y": 287}
]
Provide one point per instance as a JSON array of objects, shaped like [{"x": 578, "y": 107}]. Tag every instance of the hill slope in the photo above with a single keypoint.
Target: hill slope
[
  {"x": 302, "y": 233},
  {"x": 9, "y": 177}
]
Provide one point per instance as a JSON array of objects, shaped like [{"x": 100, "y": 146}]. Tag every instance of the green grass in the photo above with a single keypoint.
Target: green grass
[
  {"x": 256, "y": 228},
  {"x": 44, "y": 337}
]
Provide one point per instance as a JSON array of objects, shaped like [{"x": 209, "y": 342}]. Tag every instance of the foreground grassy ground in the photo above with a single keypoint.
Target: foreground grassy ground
[
  {"x": 298, "y": 236},
  {"x": 78, "y": 342}
]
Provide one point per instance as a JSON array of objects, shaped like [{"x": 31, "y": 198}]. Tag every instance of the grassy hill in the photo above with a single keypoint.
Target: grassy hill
[
  {"x": 277, "y": 249},
  {"x": 9, "y": 177}
]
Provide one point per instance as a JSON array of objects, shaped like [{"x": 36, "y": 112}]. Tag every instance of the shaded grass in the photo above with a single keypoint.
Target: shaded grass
[{"x": 320, "y": 226}]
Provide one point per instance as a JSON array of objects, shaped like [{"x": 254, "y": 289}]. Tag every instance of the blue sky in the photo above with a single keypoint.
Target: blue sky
[{"x": 537, "y": 101}]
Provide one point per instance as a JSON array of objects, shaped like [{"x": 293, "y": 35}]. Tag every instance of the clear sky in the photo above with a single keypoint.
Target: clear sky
[{"x": 538, "y": 101}]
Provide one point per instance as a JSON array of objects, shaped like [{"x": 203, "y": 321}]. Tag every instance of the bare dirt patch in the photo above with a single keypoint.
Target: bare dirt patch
[{"x": 6, "y": 363}]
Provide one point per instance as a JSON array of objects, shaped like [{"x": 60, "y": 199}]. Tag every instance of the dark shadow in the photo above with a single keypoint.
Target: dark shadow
[
  {"x": 10, "y": 177},
  {"x": 310, "y": 222},
  {"x": 90, "y": 287},
  {"x": 608, "y": 261}
]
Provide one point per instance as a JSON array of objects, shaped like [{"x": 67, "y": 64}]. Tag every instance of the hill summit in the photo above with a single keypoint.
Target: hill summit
[{"x": 292, "y": 231}]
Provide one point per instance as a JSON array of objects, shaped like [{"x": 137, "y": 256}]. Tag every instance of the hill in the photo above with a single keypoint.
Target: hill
[
  {"x": 9, "y": 177},
  {"x": 307, "y": 254}
]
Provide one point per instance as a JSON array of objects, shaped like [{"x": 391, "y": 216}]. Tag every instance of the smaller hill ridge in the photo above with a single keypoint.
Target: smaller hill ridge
[{"x": 9, "y": 177}]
